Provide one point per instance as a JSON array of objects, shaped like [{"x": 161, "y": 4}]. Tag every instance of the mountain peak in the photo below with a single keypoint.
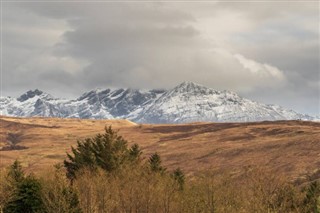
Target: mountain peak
[
  {"x": 192, "y": 88},
  {"x": 187, "y": 102},
  {"x": 30, "y": 94},
  {"x": 189, "y": 84}
]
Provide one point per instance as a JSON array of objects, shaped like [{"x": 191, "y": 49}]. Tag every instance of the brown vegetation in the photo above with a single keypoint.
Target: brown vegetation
[
  {"x": 108, "y": 176},
  {"x": 290, "y": 148},
  {"x": 136, "y": 189}
]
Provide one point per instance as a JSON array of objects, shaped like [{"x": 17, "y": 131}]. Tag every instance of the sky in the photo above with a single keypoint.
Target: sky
[{"x": 267, "y": 51}]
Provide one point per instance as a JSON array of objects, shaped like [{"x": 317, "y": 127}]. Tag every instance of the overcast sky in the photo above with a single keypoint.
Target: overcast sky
[{"x": 265, "y": 51}]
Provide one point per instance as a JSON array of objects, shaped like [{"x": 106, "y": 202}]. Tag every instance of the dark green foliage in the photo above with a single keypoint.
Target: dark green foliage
[
  {"x": 15, "y": 172},
  {"x": 82, "y": 157},
  {"x": 135, "y": 152},
  {"x": 155, "y": 163},
  {"x": 26, "y": 198},
  {"x": 179, "y": 177},
  {"x": 312, "y": 198},
  {"x": 107, "y": 151}
]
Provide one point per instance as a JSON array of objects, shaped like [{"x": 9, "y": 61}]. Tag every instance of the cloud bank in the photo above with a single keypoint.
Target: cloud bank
[{"x": 265, "y": 51}]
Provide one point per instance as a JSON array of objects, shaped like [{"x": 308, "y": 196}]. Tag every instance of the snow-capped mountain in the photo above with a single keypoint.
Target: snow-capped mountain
[
  {"x": 190, "y": 102},
  {"x": 187, "y": 102}
]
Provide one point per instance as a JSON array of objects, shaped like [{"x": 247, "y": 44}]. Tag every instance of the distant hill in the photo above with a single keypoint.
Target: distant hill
[
  {"x": 187, "y": 102},
  {"x": 289, "y": 147}
]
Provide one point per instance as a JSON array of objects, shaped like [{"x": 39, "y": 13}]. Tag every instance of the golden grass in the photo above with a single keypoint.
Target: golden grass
[{"x": 290, "y": 147}]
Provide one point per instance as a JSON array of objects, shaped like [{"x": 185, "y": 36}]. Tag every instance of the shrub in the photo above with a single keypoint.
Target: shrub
[{"x": 57, "y": 194}]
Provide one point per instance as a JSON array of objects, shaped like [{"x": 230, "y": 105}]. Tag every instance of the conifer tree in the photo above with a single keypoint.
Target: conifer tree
[
  {"x": 135, "y": 152},
  {"x": 27, "y": 197},
  {"x": 179, "y": 177},
  {"x": 15, "y": 173},
  {"x": 107, "y": 151},
  {"x": 155, "y": 163}
]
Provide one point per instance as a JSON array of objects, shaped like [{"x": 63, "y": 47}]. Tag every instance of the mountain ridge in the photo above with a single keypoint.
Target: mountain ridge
[{"x": 187, "y": 102}]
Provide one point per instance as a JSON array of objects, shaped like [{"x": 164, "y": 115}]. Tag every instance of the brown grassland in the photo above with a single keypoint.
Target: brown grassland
[
  {"x": 270, "y": 167},
  {"x": 290, "y": 148}
]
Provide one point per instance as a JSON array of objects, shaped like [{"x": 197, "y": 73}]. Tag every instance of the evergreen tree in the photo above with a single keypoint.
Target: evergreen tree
[
  {"x": 15, "y": 173},
  {"x": 179, "y": 177},
  {"x": 27, "y": 198},
  {"x": 107, "y": 151},
  {"x": 155, "y": 163},
  {"x": 82, "y": 157},
  {"x": 135, "y": 152}
]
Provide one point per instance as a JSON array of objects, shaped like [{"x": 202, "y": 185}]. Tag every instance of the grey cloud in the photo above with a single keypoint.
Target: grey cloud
[{"x": 156, "y": 45}]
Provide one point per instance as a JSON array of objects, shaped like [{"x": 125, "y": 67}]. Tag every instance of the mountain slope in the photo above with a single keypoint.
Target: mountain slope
[
  {"x": 190, "y": 102},
  {"x": 187, "y": 102}
]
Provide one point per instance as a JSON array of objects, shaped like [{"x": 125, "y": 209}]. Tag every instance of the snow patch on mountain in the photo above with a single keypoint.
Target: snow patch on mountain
[{"x": 187, "y": 102}]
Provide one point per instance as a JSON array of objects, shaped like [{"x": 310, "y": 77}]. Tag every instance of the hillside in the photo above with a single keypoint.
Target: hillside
[{"x": 290, "y": 147}]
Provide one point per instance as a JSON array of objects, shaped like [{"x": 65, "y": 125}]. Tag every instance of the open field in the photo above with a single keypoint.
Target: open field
[{"x": 289, "y": 147}]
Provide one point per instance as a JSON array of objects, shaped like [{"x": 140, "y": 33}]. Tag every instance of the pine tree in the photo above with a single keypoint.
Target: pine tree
[
  {"x": 179, "y": 177},
  {"x": 82, "y": 157},
  {"x": 107, "y": 151},
  {"x": 135, "y": 152},
  {"x": 15, "y": 173},
  {"x": 27, "y": 198},
  {"x": 155, "y": 163}
]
